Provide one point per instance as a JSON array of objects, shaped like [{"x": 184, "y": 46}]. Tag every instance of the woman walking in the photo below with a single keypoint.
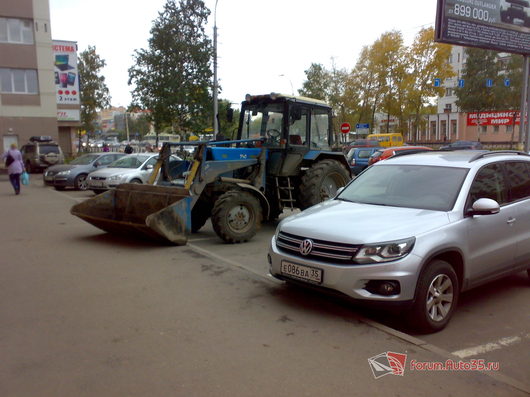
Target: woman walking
[{"x": 15, "y": 166}]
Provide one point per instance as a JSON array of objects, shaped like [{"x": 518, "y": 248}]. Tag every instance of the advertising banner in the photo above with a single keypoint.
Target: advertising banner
[
  {"x": 501, "y": 25},
  {"x": 68, "y": 115},
  {"x": 493, "y": 118},
  {"x": 65, "y": 71}
]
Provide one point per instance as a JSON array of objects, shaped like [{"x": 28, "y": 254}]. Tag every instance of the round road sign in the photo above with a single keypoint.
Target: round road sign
[{"x": 345, "y": 128}]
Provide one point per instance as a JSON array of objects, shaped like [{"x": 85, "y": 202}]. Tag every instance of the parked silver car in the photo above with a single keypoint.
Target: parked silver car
[
  {"x": 133, "y": 168},
  {"x": 414, "y": 232},
  {"x": 74, "y": 174}
]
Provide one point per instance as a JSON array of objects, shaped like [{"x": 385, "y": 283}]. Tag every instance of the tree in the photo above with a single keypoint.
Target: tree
[
  {"x": 362, "y": 89},
  {"x": 172, "y": 77},
  {"x": 427, "y": 61},
  {"x": 94, "y": 92},
  {"x": 476, "y": 96},
  {"x": 317, "y": 83},
  {"x": 390, "y": 67}
]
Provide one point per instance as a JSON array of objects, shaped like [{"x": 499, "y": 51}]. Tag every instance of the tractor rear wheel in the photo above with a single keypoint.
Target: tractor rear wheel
[
  {"x": 321, "y": 182},
  {"x": 236, "y": 216}
]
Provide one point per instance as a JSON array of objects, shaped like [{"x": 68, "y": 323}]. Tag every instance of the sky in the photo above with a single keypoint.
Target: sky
[{"x": 263, "y": 46}]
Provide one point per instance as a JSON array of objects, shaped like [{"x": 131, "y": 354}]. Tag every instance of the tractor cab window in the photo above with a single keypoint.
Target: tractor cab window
[
  {"x": 263, "y": 122},
  {"x": 320, "y": 129},
  {"x": 298, "y": 128}
]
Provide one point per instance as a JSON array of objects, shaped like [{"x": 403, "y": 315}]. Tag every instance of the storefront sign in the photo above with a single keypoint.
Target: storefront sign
[
  {"x": 68, "y": 115},
  {"x": 493, "y": 118}
]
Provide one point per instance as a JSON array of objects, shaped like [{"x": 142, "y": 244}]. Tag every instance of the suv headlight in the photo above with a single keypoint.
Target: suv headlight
[{"x": 384, "y": 252}]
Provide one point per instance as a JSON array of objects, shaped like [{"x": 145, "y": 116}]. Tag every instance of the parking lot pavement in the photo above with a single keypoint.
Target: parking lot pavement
[{"x": 85, "y": 313}]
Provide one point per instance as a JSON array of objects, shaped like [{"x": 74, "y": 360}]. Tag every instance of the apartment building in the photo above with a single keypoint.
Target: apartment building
[
  {"x": 449, "y": 124},
  {"x": 28, "y": 89}
]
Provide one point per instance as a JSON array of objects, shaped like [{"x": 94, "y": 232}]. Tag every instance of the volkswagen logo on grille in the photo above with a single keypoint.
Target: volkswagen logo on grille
[{"x": 306, "y": 247}]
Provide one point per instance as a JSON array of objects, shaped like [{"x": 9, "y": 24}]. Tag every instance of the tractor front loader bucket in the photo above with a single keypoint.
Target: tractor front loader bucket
[{"x": 157, "y": 212}]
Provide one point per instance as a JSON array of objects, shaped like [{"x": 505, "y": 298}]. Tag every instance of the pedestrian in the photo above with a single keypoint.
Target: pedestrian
[
  {"x": 15, "y": 166},
  {"x": 128, "y": 149},
  {"x": 106, "y": 147}
]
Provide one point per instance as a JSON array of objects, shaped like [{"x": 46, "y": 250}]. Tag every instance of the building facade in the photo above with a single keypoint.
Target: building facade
[
  {"x": 28, "y": 94},
  {"x": 498, "y": 129}
]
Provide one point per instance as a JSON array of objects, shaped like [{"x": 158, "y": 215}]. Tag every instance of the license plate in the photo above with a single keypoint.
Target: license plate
[
  {"x": 48, "y": 178},
  {"x": 96, "y": 183},
  {"x": 301, "y": 272}
]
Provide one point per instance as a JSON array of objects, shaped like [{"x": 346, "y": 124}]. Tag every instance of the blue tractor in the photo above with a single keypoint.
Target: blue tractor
[{"x": 282, "y": 158}]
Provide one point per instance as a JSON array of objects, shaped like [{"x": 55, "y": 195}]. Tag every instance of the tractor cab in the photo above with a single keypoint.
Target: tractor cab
[{"x": 292, "y": 128}]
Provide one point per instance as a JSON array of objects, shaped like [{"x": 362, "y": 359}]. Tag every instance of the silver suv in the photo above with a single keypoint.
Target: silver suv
[{"x": 414, "y": 232}]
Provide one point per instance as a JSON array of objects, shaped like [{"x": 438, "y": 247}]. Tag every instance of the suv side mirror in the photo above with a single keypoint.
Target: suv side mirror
[
  {"x": 484, "y": 206},
  {"x": 149, "y": 167}
]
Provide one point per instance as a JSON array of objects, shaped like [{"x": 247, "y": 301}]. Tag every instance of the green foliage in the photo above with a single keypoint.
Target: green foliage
[
  {"x": 317, "y": 83},
  {"x": 172, "y": 77},
  {"x": 94, "y": 92},
  {"x": 388, "y": 78},
  {"x": 228, "y": 128},
  {"x": 475, "y": 96}
]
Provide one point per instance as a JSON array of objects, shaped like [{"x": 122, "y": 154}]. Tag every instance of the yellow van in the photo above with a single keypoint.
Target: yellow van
[{"x": 387, "y": 140}]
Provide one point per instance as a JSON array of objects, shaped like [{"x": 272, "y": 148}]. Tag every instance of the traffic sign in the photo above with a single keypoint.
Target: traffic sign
[
  {"x": 461, "y": 83},
  {"x": 489, "y": 83},
  {"x": 360, "y": 126},
  {"x": 437, "y": 82},
  {"x": 345, "y": 128},
  {"x": 506, "y": 82}
]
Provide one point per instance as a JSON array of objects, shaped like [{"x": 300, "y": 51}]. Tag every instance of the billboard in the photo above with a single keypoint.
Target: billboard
[
  {"x": 502, "y": 25},
  {"x": 65, "y": 71}
]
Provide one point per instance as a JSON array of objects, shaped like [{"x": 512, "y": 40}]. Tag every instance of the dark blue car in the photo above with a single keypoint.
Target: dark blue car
[{"x": 358, "y": 158}]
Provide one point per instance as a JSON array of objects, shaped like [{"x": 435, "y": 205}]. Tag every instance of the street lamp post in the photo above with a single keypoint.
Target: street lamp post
[
  {"x": 127, "y": 126},
  {"x": 215, "y": 86},
  {"x": 290, "y": 82}
]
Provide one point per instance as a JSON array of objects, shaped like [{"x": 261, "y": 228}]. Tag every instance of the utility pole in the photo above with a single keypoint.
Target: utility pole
[
  {"x": 127, "y": 127},
  {"x": 215, "y": 85}
]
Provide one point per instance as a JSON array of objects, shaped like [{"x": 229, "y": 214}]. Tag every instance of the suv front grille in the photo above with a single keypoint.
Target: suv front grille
[{"x": 326, "y": 251}]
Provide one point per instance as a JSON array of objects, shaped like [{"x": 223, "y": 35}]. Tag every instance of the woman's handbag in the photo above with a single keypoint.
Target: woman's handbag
[{"x": 24, "y": 178}]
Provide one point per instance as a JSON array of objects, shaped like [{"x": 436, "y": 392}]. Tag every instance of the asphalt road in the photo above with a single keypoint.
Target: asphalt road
[{"x": 88, "y": 314}]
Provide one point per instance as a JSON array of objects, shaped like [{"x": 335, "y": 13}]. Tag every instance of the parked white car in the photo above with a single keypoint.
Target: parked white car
[{"x": 134, "y": 168}]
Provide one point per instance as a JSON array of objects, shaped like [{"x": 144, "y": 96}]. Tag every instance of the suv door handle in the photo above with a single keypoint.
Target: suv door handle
[{"x": 511, "y": 221}]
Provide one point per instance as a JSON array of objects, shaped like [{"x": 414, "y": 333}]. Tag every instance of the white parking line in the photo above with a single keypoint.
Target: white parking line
[{"x": 487, "y": 347}]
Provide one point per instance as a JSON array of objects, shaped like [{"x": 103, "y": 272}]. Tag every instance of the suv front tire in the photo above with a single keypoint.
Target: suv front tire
[{"x": 437, "y": 294}]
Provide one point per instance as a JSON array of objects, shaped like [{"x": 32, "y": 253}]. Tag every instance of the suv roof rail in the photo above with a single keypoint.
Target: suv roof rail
[{"x": 496, "y": 152}]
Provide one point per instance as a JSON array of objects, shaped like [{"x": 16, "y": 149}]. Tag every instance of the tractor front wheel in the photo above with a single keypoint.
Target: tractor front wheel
[{"x": 236, "y": 216}]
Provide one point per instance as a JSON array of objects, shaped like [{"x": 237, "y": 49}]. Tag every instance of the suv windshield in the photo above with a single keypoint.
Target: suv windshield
[
  {"x": 85, "y": 159},
  {"x": 45, "y": 149},
  {"x": 129, "y": 162},
  {"x": 410, "y": 186}
]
